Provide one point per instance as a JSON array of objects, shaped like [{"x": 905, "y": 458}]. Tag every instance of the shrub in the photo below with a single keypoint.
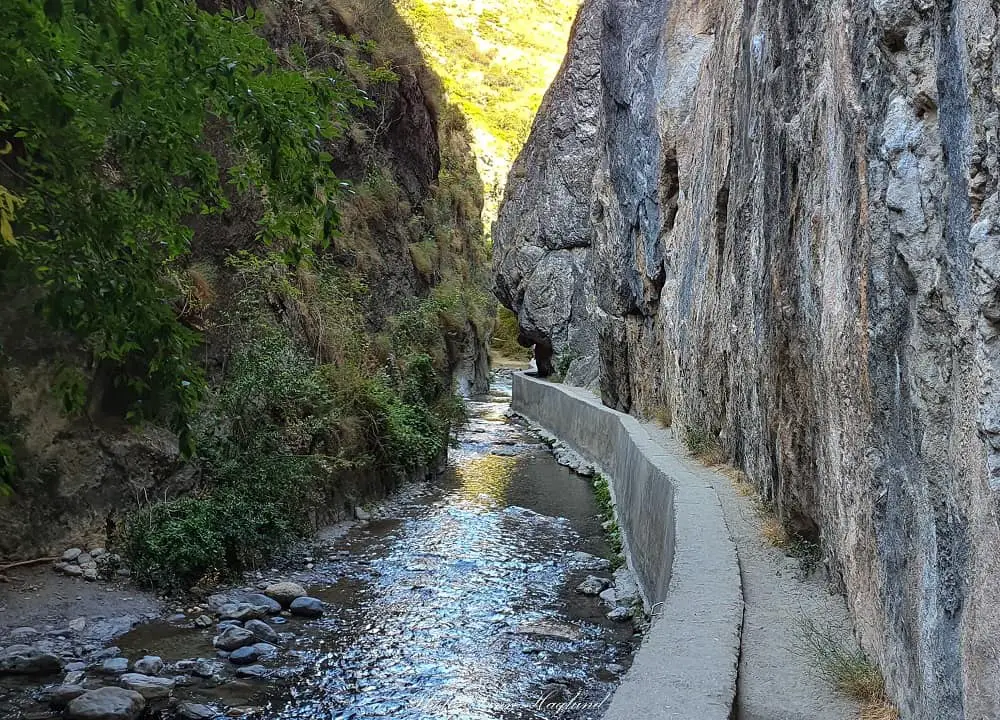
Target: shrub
[{"x": 704, "y": 445}]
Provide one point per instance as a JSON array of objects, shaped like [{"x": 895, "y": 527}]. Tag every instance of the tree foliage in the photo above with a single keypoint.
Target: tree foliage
[{"x": 107, "y": 113}]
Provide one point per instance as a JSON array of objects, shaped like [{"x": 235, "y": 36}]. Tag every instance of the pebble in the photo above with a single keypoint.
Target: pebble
[{"x": 307, "y": 607}]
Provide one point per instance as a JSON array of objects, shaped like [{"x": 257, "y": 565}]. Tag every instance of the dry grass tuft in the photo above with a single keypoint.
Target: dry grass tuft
[
  {"x": 704, "y": 446},
  {"x": 774, "y": 532},
  {"x": 847, "y": 668},
  {"x": 664, "y": 415}
]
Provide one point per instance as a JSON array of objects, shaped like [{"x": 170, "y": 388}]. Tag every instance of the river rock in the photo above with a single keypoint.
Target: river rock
[
  {"x": 107, "y": 703},
  {"x": 83, "y": 559},
  {"x": 73, "y": 570},
  {"x": 195, "y": 711},
  {"x": 609, "y": 597},
  {"x": 284, "y": 592},
  {"x": 90, "y": 574},
  {"x": 61, "y": 695},
  {"x": 115, "y": 666},
  {"x": 71, "y": 555},
  {"x": 626, "y": 588},
  {"x": 245, "y": 655},
  {"x": 259, "y": 600},
  {"x": 243, "y": 611},
  {"x": 620, "y": 614},
  {"x": 586, "y": 560},
  {"x": 97, "y": 552},
  {"x": 233, "y": 638},
  {"x": 149, "y": 665},
  {"x": 593, "y": 585},
  {"x": 262, "y": 631},
  {"x": 203, "y": 621},
  {"x": 78, "y": 624},
  {"x": 73, "y": 677},
  {"x": 207, "y": 669},
  {"x": 148, "y": 686},
  {"x": 251, "y": 671},
  {"x": 23, "y": 633},
  {"x": 28, "y": 660},
  {"x": 306, "y": 607}
]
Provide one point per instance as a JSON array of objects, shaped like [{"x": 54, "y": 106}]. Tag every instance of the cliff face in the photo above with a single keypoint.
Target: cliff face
[
  {"x": 777, "y": 223},
  {"x": 413, "y": 177}
]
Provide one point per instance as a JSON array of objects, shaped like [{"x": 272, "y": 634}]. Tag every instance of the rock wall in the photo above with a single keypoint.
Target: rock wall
[{"x": 776, "y": 223}]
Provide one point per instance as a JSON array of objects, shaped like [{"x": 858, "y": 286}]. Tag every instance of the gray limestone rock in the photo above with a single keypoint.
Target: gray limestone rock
[
  {"x": 148, "y": 686},
  {"x": 107, "y": 703},
  {"x": 28, "y": 660}
]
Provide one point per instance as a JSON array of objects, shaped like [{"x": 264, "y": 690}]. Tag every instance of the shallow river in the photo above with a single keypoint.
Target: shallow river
[{"x": 457, "y": 602}]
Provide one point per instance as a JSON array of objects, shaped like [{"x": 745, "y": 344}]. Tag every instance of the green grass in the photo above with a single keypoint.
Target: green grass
[
  {"x": 613, "y": 533},
  {"x": 704, "y": 445}
]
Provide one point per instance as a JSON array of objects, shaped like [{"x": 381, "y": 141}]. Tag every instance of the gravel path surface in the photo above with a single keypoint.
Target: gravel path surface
[{"x": 777, "y": 680}]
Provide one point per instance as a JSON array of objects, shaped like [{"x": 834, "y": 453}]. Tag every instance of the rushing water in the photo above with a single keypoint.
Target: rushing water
[{"x": 462, "y": 605}]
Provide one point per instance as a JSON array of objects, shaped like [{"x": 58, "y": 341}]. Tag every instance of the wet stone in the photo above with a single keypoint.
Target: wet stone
[
  {"x": 262, "y": 631},
  {"x": 28, "y": 660},
  {"x": 245, "y": 655},
  {"x": 195, "y": 711},
  {"x": 61, "y": 695},
  {"x": 259, "y": 600},
  {"x": 115, "y": 666},
  {"x": 251, "y": 671},
  {"x": 307, "y": 607},
  {"x": 107, "y": 703},
  {"x": 593, "y": 585},
  {"x": 284, "y": 592},
  {"x": 148, "y": 686},
  {"x": 207, "y": 669},
  {"x": 149, "y": 665},
  {"x": 233, "y": 638}
]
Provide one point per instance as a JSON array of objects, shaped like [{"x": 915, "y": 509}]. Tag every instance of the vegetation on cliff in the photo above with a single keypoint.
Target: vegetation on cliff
[{"x": 215, "y": 216}]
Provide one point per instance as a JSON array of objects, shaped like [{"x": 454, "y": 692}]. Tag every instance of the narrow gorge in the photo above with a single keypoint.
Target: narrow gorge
[{"x": 773, "y": 226}]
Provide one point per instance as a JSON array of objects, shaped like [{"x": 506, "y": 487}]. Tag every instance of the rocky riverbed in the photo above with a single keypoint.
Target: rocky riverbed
[{"x": 483, "y": 594}]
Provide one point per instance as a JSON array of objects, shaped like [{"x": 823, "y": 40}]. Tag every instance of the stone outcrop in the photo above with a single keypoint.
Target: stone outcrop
[{"x": 775, "y": 223}]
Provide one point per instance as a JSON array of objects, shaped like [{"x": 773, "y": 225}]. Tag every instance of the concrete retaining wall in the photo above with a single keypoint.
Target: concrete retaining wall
[{"x": 677, "y": 544}]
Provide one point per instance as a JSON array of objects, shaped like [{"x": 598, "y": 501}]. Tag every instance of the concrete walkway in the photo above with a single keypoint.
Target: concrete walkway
[{"x": 776, "y": 678}]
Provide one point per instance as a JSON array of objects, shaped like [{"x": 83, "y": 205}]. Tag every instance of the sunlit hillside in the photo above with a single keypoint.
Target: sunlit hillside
[{"x": 496, "y": 59}]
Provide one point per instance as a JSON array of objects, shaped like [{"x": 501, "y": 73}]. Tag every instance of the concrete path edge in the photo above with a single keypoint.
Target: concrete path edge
[{"x": 677, "y": 544}]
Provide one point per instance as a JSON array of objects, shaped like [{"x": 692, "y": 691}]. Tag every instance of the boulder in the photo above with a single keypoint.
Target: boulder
[
  {"x": 107, "y": 703},
  {"x": 28, "y": 660},
  {"x": 306, "y": 607},
  {"x": 148, "y": 686},
  {"x": 233, "y": 638},
  {"x": 261, "y": 630},
  {"x": 284, "y": 592},
  {"x": 149, "y": 665}
]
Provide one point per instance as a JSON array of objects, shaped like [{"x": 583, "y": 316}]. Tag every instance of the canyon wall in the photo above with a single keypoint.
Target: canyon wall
[{"x": 776, "y": 223}]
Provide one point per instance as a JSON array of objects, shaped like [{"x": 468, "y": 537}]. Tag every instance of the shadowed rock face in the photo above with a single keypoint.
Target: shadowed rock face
[{"x": 777, "y": 222}]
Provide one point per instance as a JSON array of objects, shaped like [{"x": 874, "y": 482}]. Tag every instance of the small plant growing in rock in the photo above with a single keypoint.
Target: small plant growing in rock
[
  {"x": 704, "y": 445},
  {"x": 847, "y": 668}
]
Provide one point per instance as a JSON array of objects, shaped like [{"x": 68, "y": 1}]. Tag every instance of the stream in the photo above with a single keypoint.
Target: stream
[{"x": 456, "y": 601}]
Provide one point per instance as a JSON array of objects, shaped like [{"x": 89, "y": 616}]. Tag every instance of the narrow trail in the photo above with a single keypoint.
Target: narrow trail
[{"x": 777, "y": 678}]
